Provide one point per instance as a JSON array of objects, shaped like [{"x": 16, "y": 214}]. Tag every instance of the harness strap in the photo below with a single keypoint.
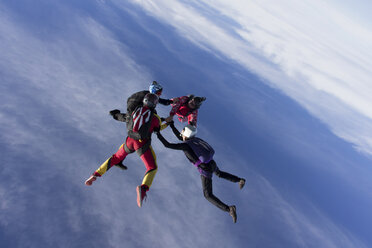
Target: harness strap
[
  {"x": 144, "y": 148},
  {"x": 126, "y": 148},
  {"x": 144, "y": 129}
]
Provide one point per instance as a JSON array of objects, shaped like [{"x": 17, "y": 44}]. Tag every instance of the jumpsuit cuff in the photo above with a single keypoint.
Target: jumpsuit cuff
[
  {"x": 96, "y": 174},
  {"x": 147, "y": 188},
  {"x": 197, "y": 163}
]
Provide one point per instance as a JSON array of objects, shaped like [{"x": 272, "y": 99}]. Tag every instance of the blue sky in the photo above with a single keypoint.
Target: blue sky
[{"x": 287, "y": 89}]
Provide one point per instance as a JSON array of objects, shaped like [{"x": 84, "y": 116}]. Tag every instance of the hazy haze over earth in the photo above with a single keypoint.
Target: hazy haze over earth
[{"x": 288, "y": 107}]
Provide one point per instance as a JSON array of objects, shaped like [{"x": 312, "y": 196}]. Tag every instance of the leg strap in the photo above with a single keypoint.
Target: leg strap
[
  {"x": 126, "y": 149},
  {"x": 144, "y": 148}
]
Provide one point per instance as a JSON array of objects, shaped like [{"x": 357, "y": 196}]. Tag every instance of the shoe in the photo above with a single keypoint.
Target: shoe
[
  {"x": 232, "y": 212},
  {"x": 121, "y": 166},
  {"x": 141, "y": 194},
  {"x": 241, "y": 183},
  {"x": 90, "y": 180}
]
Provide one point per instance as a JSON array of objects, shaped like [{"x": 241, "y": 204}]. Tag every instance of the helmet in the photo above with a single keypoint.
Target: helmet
[
  {"x": 189, "y": 131},
  {"x": 155, "y": 87},
  {"x": 150, "y": 100},
  {"x": 198, "y": 101}
]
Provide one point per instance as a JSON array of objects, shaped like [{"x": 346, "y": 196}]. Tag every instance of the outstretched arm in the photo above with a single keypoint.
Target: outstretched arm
[
  {"x": 165, "y": 102},
  {"x": 179, "y": 146},
  {"x": 175, "y": 131},
  {"x": 117, "y": 115},
  {"x": 161, "y": 125}
]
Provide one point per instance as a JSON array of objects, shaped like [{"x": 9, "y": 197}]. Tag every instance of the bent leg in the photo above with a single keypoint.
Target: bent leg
[
  {"x": 208, "y": 194},
  {"x": 149, "y": 159},
  {"x": 114, "y": 159},
  {"x": 225, "y": 175}
]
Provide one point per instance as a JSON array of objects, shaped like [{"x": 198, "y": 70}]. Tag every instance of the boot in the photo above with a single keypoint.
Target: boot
[
  {"x": 90, "y": 180},
  {"x": 141, "y": 194},
  {"x": 241, "y": 183},
  {"x": 232, "y": 212}
]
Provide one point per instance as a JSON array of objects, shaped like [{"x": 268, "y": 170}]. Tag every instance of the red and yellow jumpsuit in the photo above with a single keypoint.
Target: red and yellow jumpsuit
[{"x": 144, "y": 150}]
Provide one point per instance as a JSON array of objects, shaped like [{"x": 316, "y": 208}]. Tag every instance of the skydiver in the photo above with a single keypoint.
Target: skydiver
[
  {"x": 200, "y": 153},
  {"x": 186, "y": 108},
  {"x": 141, "y": 125},
  {"x": 136, "y": 99}
]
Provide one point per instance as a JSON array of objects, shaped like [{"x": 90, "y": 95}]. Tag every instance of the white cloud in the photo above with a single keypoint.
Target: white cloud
[
  {"x": 315, "y": 55},
  {"x": 73, "y": 80},
  {"x": 308, "y": 50},
  {"x": 50, "y": 91},
  {"x": 69, "y": 76},
  {"x": 73, "y": 76}
]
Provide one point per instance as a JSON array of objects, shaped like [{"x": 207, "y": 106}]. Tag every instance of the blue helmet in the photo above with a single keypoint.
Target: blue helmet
[{"x": 155, "y": 88}]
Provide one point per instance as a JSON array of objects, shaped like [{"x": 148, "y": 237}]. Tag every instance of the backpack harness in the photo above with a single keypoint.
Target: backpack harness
[{"x": 138, "y": 128}]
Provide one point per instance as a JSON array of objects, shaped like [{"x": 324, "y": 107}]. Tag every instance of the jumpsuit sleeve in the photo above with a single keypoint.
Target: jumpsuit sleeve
[
  {"x": 192, "y": 118},
  {"x": 165, "y": 102},
  {"x": 191, "y": 156},
  {"x": 120, "y": 117},
  {"x": 175, "y": 131},
  {"x": 160, "y": 125},
  {"x": 179, "y": 146}
]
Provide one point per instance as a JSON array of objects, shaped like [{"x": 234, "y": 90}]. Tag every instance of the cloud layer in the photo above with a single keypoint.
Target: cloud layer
[
  {"x": 316, "y": 54},
  {"x": 59, "y": 79}
]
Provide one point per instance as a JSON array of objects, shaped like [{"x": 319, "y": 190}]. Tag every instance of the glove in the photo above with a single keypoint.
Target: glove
[
  {"x": 156, "y": 130},
  {"x": 169, "y": 119},
  {"x": 114, "y": 112}
]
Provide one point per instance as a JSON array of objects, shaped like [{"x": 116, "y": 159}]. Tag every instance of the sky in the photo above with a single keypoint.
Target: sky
[{"x": 288, "y": 108}]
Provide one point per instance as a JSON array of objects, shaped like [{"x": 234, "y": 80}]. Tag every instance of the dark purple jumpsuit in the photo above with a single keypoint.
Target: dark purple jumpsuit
[{"x": 200, "y": 153}]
